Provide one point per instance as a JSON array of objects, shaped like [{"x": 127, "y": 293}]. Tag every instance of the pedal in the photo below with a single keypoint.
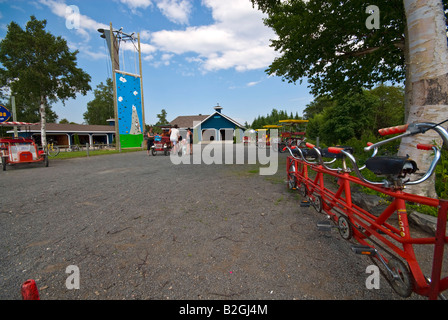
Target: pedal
[
  {"x": 324, "y": 226},
  {"x": 364, "y": 250},
  {"x": 305, "y": 203}
]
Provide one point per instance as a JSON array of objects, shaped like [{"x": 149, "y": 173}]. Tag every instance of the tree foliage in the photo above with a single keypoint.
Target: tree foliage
[
  {"x": 273, "y": 118},
  {"x": 328, "y": 43},
  {"x": 36, "y": 63},
  {"x": 162, "y": 118},
  {"x": 27, "y": 109},
  {"x": 101, "y": 108},
  {"x": 38, "y": 67},
  {"x": 355, "y": 115}
]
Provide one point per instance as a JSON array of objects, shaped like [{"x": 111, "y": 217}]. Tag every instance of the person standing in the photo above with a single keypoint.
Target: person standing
[
  {"x": 190, "y": 140},
  {"x": 174, "y": 137},
  {"x": 150, "y": 140}
]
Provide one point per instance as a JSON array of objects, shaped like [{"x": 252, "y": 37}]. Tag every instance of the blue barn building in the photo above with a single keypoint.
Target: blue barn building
[{"x": 215, "y": 127}]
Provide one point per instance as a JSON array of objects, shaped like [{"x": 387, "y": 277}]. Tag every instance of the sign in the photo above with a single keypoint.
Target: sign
[{"x": 4, "y": 114}]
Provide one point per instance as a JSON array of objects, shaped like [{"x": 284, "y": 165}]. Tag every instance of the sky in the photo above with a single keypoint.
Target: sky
[{"x": 196, "y": 54}]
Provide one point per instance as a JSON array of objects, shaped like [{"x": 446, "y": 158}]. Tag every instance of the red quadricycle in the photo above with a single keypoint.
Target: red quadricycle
[
  {"x": 265, "y": 139},
  {"x": 162, "y": 141},
  {"x": 20, "y": 150},
  {"x": 387, "y": 241},
  {"x": 293, "y": 133},
  {"x": 161, "y": 146}
]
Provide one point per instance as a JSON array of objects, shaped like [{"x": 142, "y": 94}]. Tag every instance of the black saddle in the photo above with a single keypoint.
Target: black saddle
[
  {"x": 391, "y": 166},
  {"x": 307, "y": 153}
]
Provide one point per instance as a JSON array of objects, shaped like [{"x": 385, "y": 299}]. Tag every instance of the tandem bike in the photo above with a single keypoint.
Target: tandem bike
[{"x": 389, "y": 243}]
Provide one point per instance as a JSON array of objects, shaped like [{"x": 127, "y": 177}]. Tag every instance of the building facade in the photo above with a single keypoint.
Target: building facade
[
  {"x": 216, "y": 127},
  {"x": 65, "y": 134}
]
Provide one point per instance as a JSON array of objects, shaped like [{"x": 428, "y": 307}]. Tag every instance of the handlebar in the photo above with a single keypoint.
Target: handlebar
[
  {"x": 393, "y": 130},
  {"x": 422, "y": 146},
  {"x": 303, "y": 157},
  {"x": 309, "y": 145},
  {"x": 413, "y": 129}
]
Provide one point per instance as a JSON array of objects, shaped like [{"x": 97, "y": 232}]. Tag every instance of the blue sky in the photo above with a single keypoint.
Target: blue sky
[{"x": 195, "y": 54}]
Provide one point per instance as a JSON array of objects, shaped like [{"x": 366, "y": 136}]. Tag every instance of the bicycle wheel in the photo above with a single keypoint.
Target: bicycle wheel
[
  {"x": 53, "y": 151},
  {"x": 4, "y": 159},
  {"x": 292, "y": 179},
  {"x": 400, "y": 279},
  {"x": 46, "y": 160},
  {"x": 345, "y": 228},
  {"x": 318, "y": 203}
]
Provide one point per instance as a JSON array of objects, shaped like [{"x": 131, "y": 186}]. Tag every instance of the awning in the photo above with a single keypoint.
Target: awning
[{"x": 15, "y": 123}]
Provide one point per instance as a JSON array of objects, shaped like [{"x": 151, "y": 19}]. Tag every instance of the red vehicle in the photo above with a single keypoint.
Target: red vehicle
[
  {"x": 162, "y": 146},
  {"x": 293, "y": 133},
  {"x": 389, "y": 242},
  {"x": 20, "y": 150},
  {"x": 162, "y": 143}
]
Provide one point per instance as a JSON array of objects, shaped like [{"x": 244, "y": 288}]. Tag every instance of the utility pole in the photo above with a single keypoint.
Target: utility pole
[
  {"x": 141, "y": 80},
  {"x": 112, "y": 47}
]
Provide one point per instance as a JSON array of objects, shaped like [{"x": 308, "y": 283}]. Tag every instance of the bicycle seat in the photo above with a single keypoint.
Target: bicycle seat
[
  {"x": 308, "y": 153},
  {"x": 391, "y": 166}
]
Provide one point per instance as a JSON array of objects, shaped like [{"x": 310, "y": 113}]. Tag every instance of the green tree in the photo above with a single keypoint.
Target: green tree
[
  {"x": 328, "y": 43},
  {"x": 162, "y": 118},
  {"x": 273, "y": 118},
  {"x": 39, "y": 66},
  {"x": 390, "y": 109},
  {"x": 28, "y": 110},
  {"x": 317, "y": 106},
  {"x": 351, "y": 116},
  {"x": 101, "y": 108}
]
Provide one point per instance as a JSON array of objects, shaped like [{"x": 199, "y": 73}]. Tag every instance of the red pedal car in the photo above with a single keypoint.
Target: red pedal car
[{"x": 20, "y": 150}]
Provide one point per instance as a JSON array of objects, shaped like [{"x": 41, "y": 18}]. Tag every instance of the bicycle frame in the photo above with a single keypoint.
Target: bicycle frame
[{"x": 364, "y": 227}]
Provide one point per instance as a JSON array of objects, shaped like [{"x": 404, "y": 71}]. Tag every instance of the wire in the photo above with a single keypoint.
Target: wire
[
  {"x": 109, "y": 59},
  {"x": 423, "y": 130}
]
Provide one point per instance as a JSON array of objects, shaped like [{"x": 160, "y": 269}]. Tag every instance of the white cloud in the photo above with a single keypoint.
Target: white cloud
[
  {"x": 84, "y": 24},
  {"x": 177, "y": 11},
  {"x": 92, "y": 54},
  {"x": 253, "y": 83},
  {"x": 145, "y": 35},
  {"x": 130, "y": 46},
  {"x": 134, "y": 5},
  {"x": 238, "y": 39}
]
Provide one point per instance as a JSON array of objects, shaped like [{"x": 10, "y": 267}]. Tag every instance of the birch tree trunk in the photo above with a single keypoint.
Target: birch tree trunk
[
  {"x": 428, "y": 78},
  {"x": 43, "y": 123}
]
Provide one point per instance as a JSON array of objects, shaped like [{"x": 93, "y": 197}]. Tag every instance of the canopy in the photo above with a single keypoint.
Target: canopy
[
  {"x": 272, "y": 126},
  {"x": 293, "y": 121},
  {"x": 15, "y": 123}
]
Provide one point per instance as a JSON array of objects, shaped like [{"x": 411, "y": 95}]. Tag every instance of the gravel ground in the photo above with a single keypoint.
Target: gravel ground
[{"x": 140, "y": 227}]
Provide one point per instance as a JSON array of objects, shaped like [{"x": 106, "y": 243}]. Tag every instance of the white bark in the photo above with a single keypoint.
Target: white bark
[
  {"x": 43, "y": 123},
  {"x": 428, "y": 78}
]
